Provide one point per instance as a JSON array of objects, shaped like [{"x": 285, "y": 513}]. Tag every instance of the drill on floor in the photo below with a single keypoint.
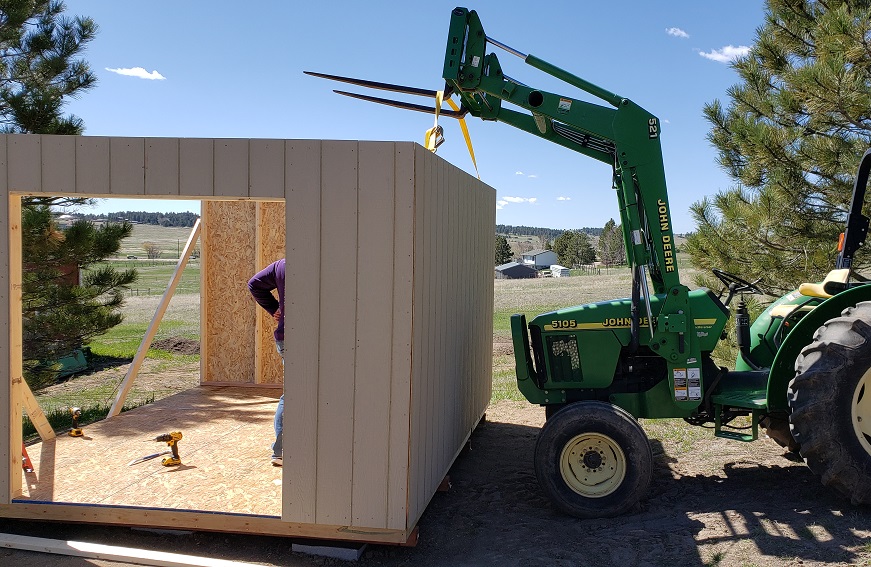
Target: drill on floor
[
  {"x": 172, "y": 440},
  {"x": 76, "y": 431}
]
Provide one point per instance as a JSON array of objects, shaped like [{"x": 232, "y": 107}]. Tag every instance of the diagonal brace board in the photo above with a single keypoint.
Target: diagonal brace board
[
  {"x": 35, "y": 413},
  {"x": 127, "y": 383}
]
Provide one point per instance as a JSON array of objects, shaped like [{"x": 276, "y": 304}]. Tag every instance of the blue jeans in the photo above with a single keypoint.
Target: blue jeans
[{"x": 279, "y": 411}]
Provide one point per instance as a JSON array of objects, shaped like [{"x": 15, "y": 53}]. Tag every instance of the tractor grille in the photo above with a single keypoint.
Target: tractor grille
[{"x": 565, "y": 361}]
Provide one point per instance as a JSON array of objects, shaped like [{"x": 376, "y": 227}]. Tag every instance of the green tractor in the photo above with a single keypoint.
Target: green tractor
[{"x": 804, "y": 369}]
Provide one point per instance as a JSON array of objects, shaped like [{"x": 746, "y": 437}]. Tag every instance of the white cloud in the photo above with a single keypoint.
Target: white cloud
[
  {"x": 563, "y": 198},
  {"x": 677, "y": 32},
  {"x": 532, "y": 176},
  {"x": 520, "y": 199},
  {"x": 501, "y": 204},
  {"x": 138, "y": 72},
  {"x": 518, "y": 173},
  {"x": 726, "y": 54}
]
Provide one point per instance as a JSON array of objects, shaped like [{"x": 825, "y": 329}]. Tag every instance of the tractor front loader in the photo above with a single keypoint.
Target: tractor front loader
[{"x": 804, "y": 369}]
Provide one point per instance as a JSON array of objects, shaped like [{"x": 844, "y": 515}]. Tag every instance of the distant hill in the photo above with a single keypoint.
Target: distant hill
[
  {"x": 548, "y": 233},
  {"x": 142, "y": 217}
]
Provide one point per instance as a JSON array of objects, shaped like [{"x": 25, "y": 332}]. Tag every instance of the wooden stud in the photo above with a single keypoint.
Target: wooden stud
[
  {"x": 112, "y": 552},
  {"x": 133, "y": 370}
]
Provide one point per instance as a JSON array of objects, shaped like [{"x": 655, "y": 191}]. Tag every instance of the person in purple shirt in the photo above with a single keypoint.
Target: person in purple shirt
[{"x": 261, "y": 286}]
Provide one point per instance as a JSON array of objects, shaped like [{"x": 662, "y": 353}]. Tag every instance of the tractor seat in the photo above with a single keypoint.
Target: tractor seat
[{"x": 835, "y": 281}]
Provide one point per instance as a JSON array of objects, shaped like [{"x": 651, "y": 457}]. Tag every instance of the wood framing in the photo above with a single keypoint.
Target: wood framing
[{"x": 388, "y": 322}]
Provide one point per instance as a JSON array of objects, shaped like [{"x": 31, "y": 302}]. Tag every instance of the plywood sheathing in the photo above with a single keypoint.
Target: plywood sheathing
[
  {"x": 240, "y": 238},
  {"x": 229, "y": 253},
  {"x": 271, "y": 234},
  {"x": 225, "y": 451}
]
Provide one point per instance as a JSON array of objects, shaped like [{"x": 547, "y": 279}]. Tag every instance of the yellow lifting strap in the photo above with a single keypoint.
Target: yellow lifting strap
[{"x": 435, "y": 135}]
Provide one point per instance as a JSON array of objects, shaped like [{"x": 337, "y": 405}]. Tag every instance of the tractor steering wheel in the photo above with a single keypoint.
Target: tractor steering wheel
[{"x": 736, "y": 284}]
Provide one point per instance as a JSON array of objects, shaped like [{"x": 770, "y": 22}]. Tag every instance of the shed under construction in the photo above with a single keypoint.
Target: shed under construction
[{"x": 388, "y": 332}]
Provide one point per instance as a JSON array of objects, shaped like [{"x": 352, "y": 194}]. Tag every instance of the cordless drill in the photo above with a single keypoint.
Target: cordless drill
[
  {"x": 171, "y": 439},
  {"x": 76, "y": 431}
]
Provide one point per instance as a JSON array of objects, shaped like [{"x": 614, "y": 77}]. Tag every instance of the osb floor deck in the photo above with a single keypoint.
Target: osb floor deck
[{"x": 225, "y": 449}]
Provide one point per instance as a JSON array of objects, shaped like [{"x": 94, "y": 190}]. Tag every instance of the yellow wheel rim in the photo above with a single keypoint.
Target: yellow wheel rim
[
  {"x": 593, "y": 465},
  {"x": 861, "y": 411}
]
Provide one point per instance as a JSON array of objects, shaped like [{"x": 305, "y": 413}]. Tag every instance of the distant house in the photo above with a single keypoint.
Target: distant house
[
  {"x": 539, "y": 259},
  {"x": 515, "y": 271}
]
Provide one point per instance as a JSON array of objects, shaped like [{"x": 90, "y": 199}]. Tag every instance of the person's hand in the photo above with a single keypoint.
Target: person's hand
[{"x": 277, "y": 315}]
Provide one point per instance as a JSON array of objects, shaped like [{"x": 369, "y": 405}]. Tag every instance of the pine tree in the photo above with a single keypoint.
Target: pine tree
[
  {"x": 612, "y": 250},
  {"x": 503, "y": 250},
  {"x": 40, "y": 69},
  {"x": 60, "y": 315},
  {"x": 573, "y": 249},
  {"x": 791, "y": 137}
]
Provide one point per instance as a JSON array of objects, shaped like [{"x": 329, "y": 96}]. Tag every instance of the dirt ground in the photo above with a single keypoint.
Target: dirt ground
[{"x": 712, "y": 502}]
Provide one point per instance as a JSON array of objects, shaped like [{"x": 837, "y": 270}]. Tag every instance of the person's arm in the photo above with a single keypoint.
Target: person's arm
[{"x": 261, "y": 286}]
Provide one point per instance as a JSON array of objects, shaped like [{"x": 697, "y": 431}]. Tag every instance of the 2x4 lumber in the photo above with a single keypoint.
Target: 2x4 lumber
[
  {"x": 112, "y": 552},
  {"x": 35, "y": 413},
  {"x": 133, "y": 370},
  {"x": 207, "y": 521},
  {"x": 16, "y": 371},
  {"x": 5, "y": 330}
]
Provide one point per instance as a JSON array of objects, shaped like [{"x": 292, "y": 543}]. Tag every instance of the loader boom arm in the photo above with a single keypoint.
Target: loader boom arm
[{"x": 625, "y": 136}]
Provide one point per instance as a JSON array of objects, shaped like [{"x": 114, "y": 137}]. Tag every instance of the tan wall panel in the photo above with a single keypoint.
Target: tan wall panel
[
  {"x": 302, "y": 329},
  {"x": 401, "y": 338},
  {"x": 447, "y": 305},
  {"x": 231, "y": 168},
  {"x": 127, "y": 167},
  {"x": 270, "y": 230},
  {"x": 58, "y": 164},
  {"x": 92, "y": 165},
  {"x": 24, "y": 153},
  {"x": 267, "y": 169},
  {"x": 196, "y": 175},
  {"x": 420, "y": 392},
  {"x": 374, "y": 317},
  {"x": 161, "y": 166},
  {"x": 337, "y": 347},
  {"x": 228, "y": 264}
]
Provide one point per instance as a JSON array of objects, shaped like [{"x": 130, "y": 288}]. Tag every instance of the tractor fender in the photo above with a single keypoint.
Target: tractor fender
[{"x": 783, "y": 366}]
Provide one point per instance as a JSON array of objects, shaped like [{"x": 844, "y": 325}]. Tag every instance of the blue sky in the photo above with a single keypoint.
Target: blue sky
[{"x": 222, "y": 69}]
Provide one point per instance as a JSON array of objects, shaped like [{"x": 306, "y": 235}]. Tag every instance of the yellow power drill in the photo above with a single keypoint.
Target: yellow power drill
[
  {"x": 76, "y": 431},
  {"x": 172, "y": 440}
]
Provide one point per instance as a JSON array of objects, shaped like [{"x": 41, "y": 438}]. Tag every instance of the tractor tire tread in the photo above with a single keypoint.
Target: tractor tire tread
[{"x": 820, "y": 394}]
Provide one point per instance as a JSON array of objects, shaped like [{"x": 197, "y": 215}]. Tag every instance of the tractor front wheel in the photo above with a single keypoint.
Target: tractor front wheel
[
  {"x": 593, "y": 459},
  {"x": 830, "y": 398}
]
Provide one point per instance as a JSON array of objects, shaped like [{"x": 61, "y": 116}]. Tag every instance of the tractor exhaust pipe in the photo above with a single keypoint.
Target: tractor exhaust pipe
[{"x": 742, "y": 334}]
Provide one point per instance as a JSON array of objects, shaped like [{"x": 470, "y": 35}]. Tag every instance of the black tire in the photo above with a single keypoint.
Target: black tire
[
  {"x": 830, "y": 398},
  {"x": 593, "y": 459},
  {"x": 551, "y": 409}
]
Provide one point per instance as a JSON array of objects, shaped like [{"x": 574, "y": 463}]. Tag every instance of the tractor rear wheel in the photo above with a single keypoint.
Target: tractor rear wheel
[
  {"x": 593, "y": 459},
  {"x": 830, "y": 398}
]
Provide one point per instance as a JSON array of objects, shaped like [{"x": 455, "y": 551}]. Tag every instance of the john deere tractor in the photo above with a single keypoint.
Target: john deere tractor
[{"x": 804, "y": 368}]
